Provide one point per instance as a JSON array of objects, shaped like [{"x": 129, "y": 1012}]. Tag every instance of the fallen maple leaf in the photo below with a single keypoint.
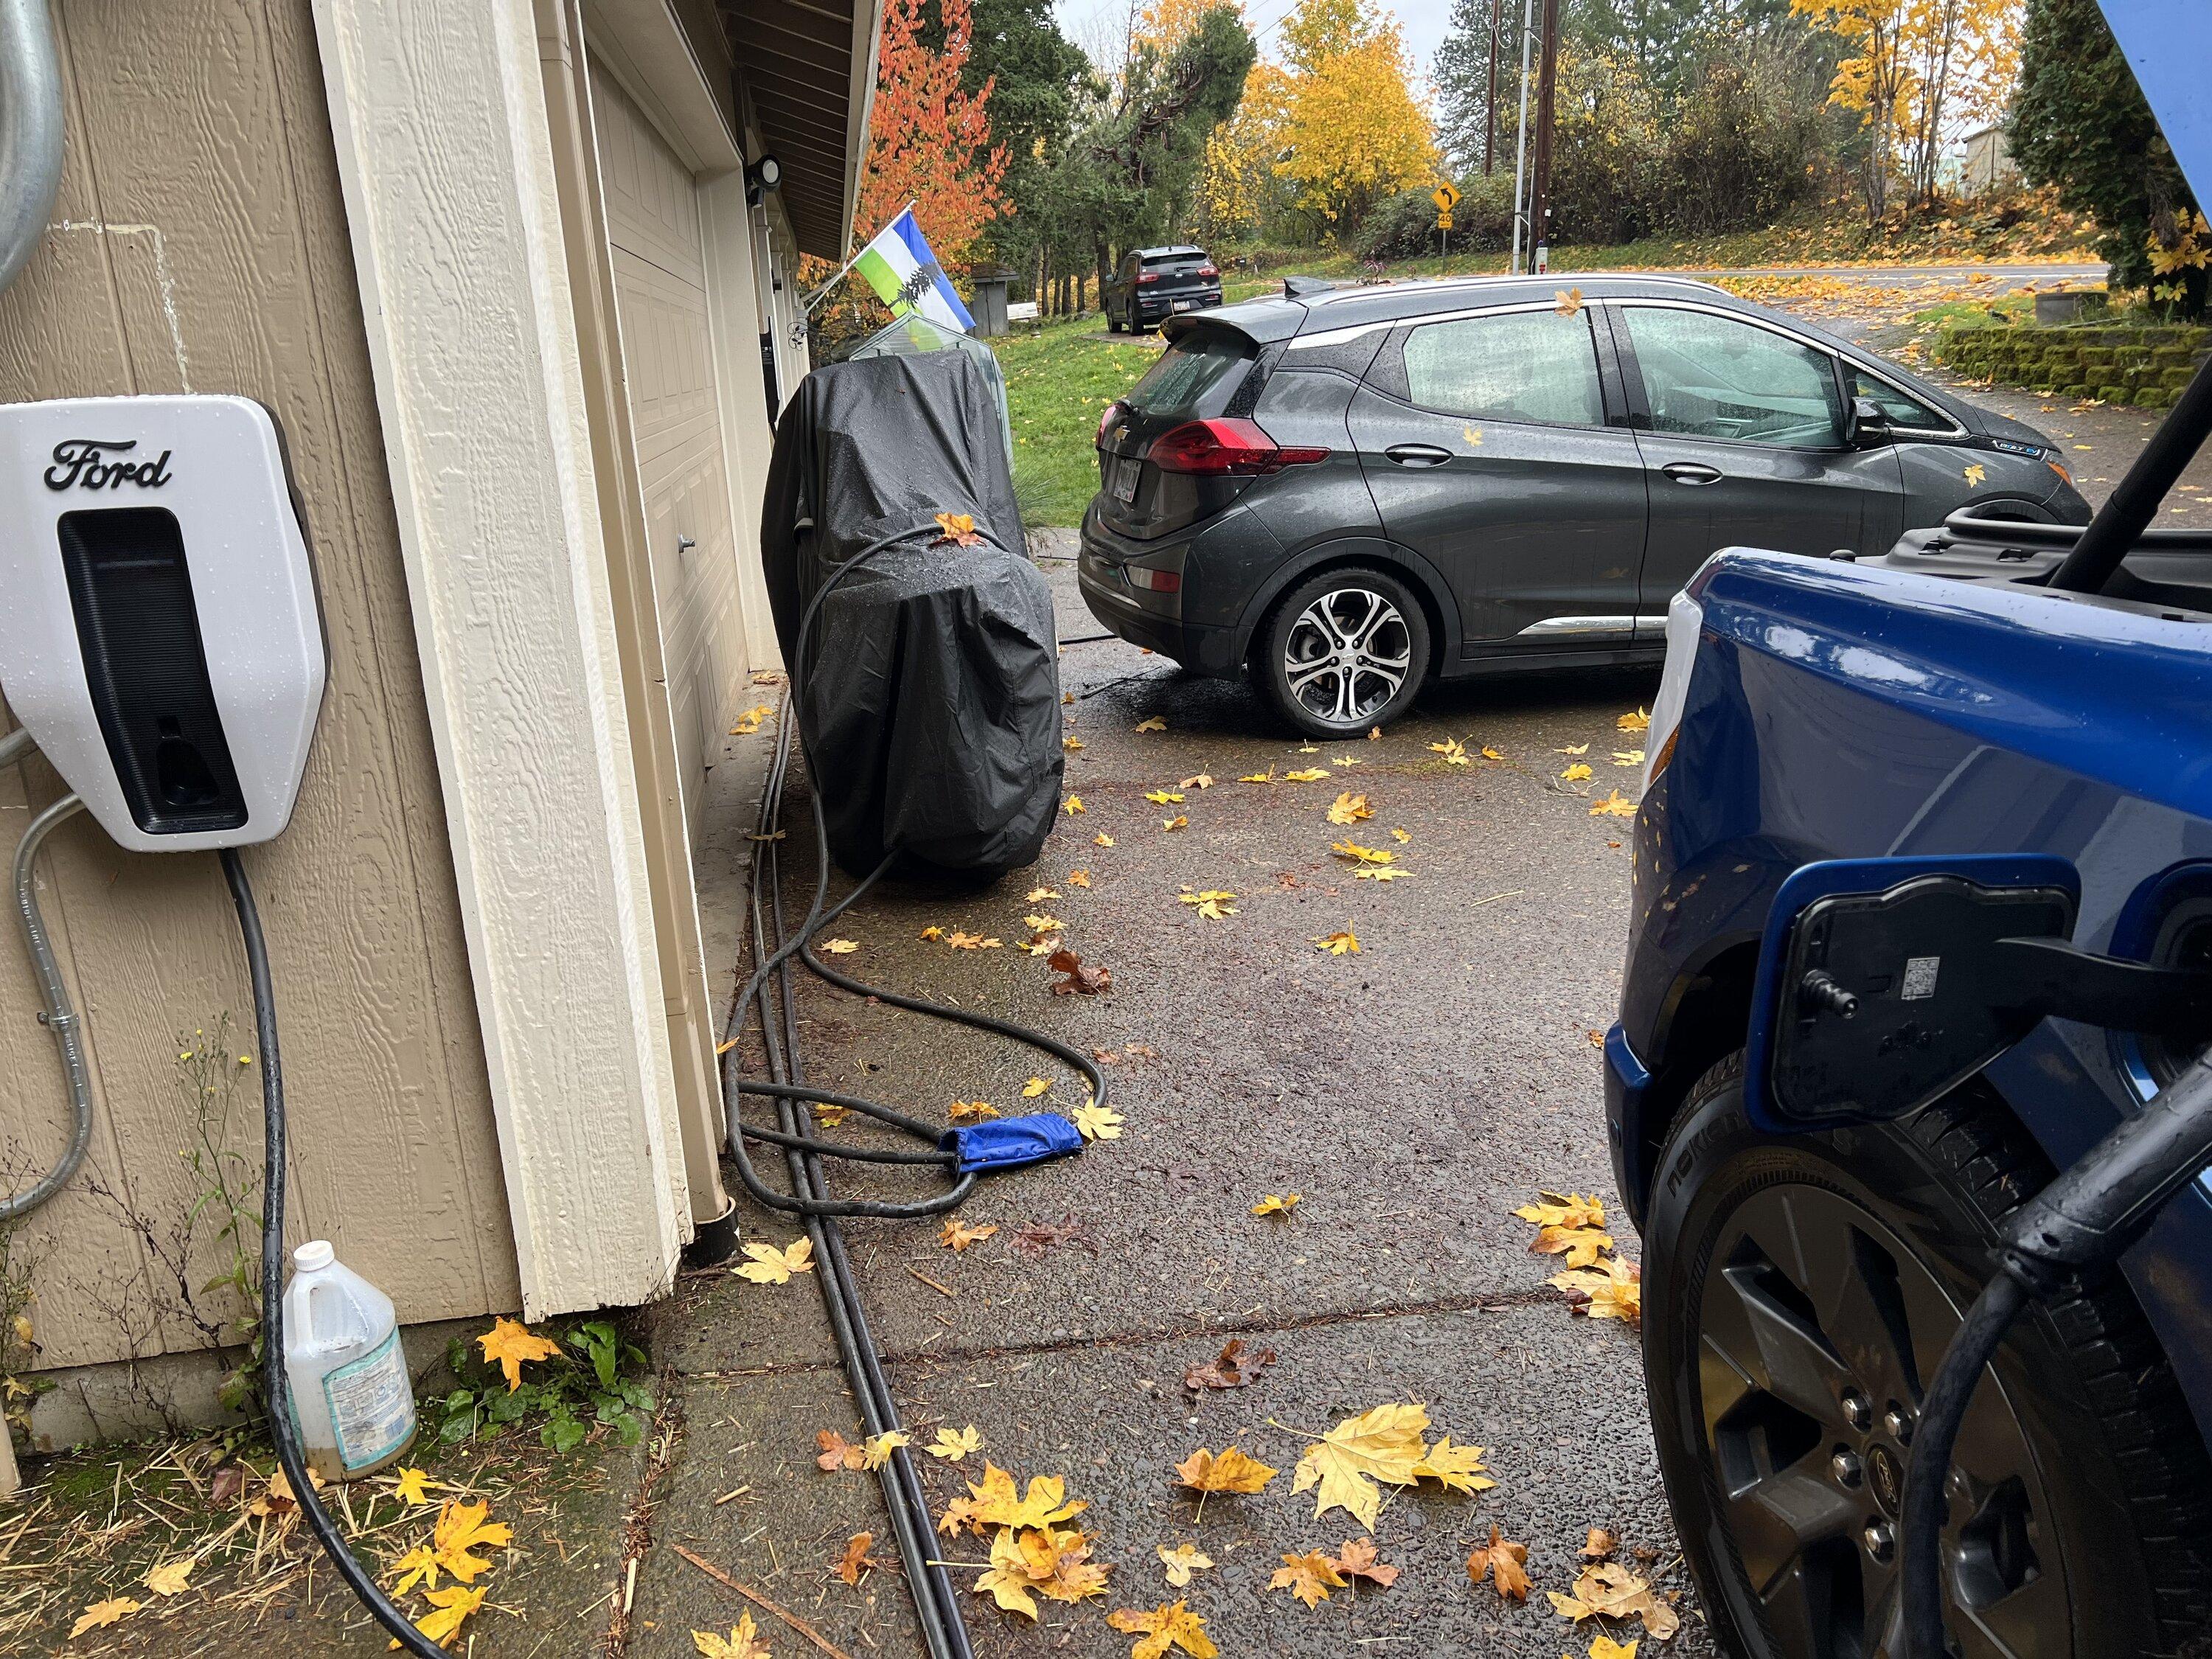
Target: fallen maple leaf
[
  {"x": 957, "y": 529},
  {"x": 1309, "y": 1578},
  {"x": 100, "y": 1614},
  {"x": 461, "y": 1528},
  {"x": 1604, "y": 1647},
  {"x": 1034, "y": 1087},
  {"x": 997, "y": 1502},
  {"x": 1452, "y": 750},
  {"x": 413, "y": 1486},
  {"x": 1267, "y": 777},
  {"x": 1608, "y": 1590},
  {"x": 1096, "y": 1123},
  {"x": 1044, "y": 945},
  {"x": 1079, "y": 979},
  {"x": 1402, "y": 836},
  {"x": 742, "y": 1642},
  {"x": 1628, "y": 757},
  {"x": 1563, "y": 1210},
  {"x": 1638, "y": 720},
  {"x": 953, "y": 1444},
  {"x": 1380, "y": 874},
  {"x": 1488, "y": 753},
  {"x": 1163, "y": 797},
  {"x": 1306, "y": 775},
  {"x": 1039, "y": 1236},
  {"x": 1039, "y": 895},
  {"x": 1078, "y": 878},
  {"x": 1575, "y": 749},
  {"x": 1460, "y": 1468},
  {"x": 1071, "y": 744},
  {"x": 1502, "y": 1561},
  {"x": 837, "y": 1452},
  {"x": 932, "y": 934},
  {"x": 749, "y": 721},
  {"x": 1358, "y": 855},
  {"x": 771, "y": 1266},
  {"x": 1614, "y": 805},
  {"x": 1277, "y": 1204},
  {"x": 1613, "y": 1292},
  {"x": 1236, "y": 1366},
  {"x": 1073, "y": 804},
  {"x": 881, "y": 1446},
  {"x": 1213, "y": 904},
  {"x": 1577, "y": 773},
  {"x": 1162, "y": 1628},
  {"x": 1383, "y": 1445},
  {"x": 1343, "y": 943},
  {"x": 956, "y": 1234},
  {"x": 856, "y": 1559},
  {"x": 1154, "y": 724},
  {"x": 1568, "y": 301},
  {"x": 1197, "y": 781},
  {"x": 510, "y": 1344},
  {"x": 1232, "y": 1470},
  {"x": 829, "y": 1116},
  {"x": 1101, "y": 839},
  {"x": 1182, "y": 1561},
  {"x": 1349, "y": 809},
  {"x": 453, "y": 1606},
  {"x": 170, "y": 1577},
  {"x": 971, "y": 1111},
  {"x": 840, "y": 947},
  {"x": 1599, "y": 1545},
  {"x": 1359, "y": 1559},
  {"x": 960, "y": 941},
  {"x": 1580, "y": 1245},
  {"x": 1180, "y": 821}
]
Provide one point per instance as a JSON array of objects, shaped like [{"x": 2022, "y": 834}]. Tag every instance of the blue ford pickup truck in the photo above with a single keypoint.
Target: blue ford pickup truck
[{"x": 2035, "y": 701}]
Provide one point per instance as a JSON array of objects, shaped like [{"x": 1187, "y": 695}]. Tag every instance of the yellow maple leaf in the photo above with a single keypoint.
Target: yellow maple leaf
[
  {"x": 1452, "y": 750},
  {"x": 1582, "y": 1246},
  {"x": 881, "y": 1446},
  {"x": 1974, "y": 473},
  {"x": 1097, "y": 1122},
  {"x": 1078, "y": 878},
  {"x": 418, "y": 1566},
  {"x": 510, "y": 1344},
  {"x": 1606, "y": 1590},
  {"x": 1567, "y": 301},
  {"x": 1182, "y": 1561},
  {"x": 1310, "y": 1577},
  {"x": 1044, "y": 945},
  {"x": 1232, "y": 1470},
  {"x": 972, "y": 1111},
  {"x": 1071, "y": 744},
  {"x": 1346, "y": 760},
  {"x": 1057, "y": 1563},
  {"x": 1034, "y": 1087},
  {"x": 1037, "y": 923},
  {"x": 1402, "y": 836},
  {"x": 1277, "y": 1204},
  {"x": 1163, "y": 797},
  {"x": 953, "y": 1444},
  {"x": 1472, "y": 434},
  {"x": 772, "y": 1265},
  {"x": 463, "y": 1529},
  {"x": 1343, "y": 943},
  {"x": 995, "y": 1503},
  {"x": 1179, "y": 821},
  {"x": 1212, "y": 903},
  {"x": 749, "y": 721},
  {"x": 1267, "y": 777},
  {"x": 742, "y": 1641},
  {"x": 840, "y": 947},
  {"x": 932, "y": 934},
  {"x": 1101, "y": 839},
  {"x": 956, "y": 1234},
  {"x": 1383, "y": 1445},
  {"x": 1349, "y": 809},
  {"x": 1155, "y": 724},
  {"x": 452, "y": 1606},
  {"x": 1073, "y": 804},
  {"x": 1503, "y": 1562},
  {"x": 1039, "y": 895},
  {"x": 1575, "y": 749},
  {"x": 1613, "y": 1292},
  {"x": 1637, "y": 720},
  {"x": 100, "y": 1614},
  {"x": 1563, "y": 1210},
  {"x": 170, "y": 1577},
  {"x": 1460, "y": 1468},
  {"x": 1380, "y": 875},
  {"x": 1306, "y": 775},
  {"x": 964, "y": 941},
  {"x": 1604, "y": 1647},
  {"x": 1614, "y": 805},
  {"x": 1165, "y": 1627},
  {"x": 1197, "y": 781},
  {"x": 1488, "y": 753},
  {"x": 1577, "y": 773},
  {"x": 414, "y": 1486},
  {"x": 1355, "y": 853}
]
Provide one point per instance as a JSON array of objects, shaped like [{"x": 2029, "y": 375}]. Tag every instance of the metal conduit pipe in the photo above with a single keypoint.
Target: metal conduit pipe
[
  {"x": 60, "y": 1016},
  {"x": 30, "y": 130}
]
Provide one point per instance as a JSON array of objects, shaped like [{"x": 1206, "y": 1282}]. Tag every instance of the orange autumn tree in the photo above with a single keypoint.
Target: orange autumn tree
[{"x": 929, "y": 139}]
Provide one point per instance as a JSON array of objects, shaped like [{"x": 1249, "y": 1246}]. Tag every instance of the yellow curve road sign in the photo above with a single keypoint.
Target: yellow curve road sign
[{"x": 1445, "y": 197}]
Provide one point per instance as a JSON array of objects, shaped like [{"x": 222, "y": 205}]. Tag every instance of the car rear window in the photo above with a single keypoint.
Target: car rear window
[
  {"x": 1196, "y": 377},
  {"x": 1520, "y": 366}
]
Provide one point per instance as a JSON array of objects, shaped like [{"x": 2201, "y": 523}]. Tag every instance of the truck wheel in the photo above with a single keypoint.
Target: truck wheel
[
  {"x": 1344, "y": 651},
  {"x": 1799, "y": 1292}
]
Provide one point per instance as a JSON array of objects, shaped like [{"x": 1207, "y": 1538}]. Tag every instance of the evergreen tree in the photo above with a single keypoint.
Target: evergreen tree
[{"x": 1462, "y": 73}]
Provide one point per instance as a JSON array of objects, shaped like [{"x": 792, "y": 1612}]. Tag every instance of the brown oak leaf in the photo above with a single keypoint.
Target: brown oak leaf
[
  {"x": 1236, "y": 1366},
  {"x": 1501, "y": 1561},
  {"x": 1079, "y": 981},
  {"x": 1359, "y": 1560}
]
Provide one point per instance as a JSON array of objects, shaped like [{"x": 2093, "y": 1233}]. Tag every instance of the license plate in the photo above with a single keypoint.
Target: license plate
[
  {"x": 1186, "y": 305},
  {"x": 1122, "y": 480}
]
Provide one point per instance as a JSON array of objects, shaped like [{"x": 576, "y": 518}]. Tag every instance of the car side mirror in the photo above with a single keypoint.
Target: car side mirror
[
  {"x": 1883, "y": 983},
  {"x": 1868, "y": 426}
]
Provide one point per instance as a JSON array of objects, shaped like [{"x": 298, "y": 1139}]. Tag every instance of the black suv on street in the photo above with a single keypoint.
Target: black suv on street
[
  {"x": 1345, "y": 493},
  {"x": 1152, "y": 284}
]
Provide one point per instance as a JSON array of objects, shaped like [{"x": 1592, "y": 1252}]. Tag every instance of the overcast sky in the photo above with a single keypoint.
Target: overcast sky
[{"x": 1087, "y": 21}]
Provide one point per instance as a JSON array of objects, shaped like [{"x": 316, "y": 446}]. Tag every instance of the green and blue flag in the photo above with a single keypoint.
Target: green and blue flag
[{"x": 906, "y": 278}]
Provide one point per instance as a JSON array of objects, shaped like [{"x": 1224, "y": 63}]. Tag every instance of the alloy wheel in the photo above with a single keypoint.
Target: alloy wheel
[
  {"x": 1347, "y": 655},
  {"x": 1818, "y": 1330}
]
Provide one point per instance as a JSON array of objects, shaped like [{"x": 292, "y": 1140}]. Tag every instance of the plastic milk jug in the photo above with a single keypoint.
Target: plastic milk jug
[{"x": 352, "y": 1401}]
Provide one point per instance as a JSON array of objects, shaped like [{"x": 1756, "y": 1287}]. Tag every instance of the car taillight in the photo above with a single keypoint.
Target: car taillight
[
  {"x": 1148, "y": 277},
  {"x": 1153, "y": 581},
  {"x": 1210, "y": 448},
  {"x": 1113, "y": 413},
  {"x": 1209, "y": 271}
]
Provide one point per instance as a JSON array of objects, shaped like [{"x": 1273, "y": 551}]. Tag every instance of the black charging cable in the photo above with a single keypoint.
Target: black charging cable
[
  {"x": 275, "y": 1386},
  {"x": 2076, "y": 1227}
]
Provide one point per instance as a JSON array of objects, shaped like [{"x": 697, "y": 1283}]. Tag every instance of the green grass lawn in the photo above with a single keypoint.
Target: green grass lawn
[{"x": 1059, "y": 378}]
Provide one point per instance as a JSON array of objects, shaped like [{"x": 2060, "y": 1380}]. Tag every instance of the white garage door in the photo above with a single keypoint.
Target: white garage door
[{"x": 660, "y": 295}]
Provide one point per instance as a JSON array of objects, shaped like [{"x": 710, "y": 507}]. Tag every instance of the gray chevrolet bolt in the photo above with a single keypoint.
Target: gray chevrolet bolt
[{"x": 1349, "y": 493}]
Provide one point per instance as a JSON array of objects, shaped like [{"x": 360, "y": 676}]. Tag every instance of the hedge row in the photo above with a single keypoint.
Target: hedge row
[{"x": 2145, "y": 366}]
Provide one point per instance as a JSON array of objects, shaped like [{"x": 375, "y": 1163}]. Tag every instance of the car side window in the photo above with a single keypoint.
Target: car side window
[
  {"x": 1516, "y": 366},
  {"x": 1709, "y": 376},
  {"x": 1898, "y": 409}
]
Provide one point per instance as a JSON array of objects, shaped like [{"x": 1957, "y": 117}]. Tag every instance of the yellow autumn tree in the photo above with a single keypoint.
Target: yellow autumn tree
[
  {"x": 1165, "y": 23},
  {"x": 1344, "y": 125},
  {"x": 1917, "y": 72},
  {"x": 1238, "y": 183}
]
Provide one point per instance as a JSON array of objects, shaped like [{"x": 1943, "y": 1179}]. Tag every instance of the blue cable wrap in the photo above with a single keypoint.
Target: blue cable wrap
[{"x": 1013, "y": 1142}]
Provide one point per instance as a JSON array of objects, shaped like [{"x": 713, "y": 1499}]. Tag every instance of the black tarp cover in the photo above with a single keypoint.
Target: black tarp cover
[{"x": 930, "y": 706}]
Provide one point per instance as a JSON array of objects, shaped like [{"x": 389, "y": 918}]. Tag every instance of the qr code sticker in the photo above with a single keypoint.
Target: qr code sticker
[{"x": 1919, "y": 978}]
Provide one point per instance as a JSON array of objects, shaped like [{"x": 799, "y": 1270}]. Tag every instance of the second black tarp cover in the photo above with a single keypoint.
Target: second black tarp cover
[{"x": 928, "y": 689}]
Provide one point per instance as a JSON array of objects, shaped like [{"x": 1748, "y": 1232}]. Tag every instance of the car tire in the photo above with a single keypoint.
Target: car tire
[
  {"x": 1328, "y": 616},
  {"x": 1798, "y": 1287}
]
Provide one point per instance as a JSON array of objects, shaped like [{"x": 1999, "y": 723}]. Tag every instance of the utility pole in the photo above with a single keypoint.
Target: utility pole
[
  {"x": 1540, "y": 193},
  {"x": 1489, "y": 98},
  {"x": 1520, "y": 147}
]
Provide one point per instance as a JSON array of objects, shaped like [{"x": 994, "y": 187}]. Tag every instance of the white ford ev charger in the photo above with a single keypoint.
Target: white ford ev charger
[{"x": 161, "y": 643}]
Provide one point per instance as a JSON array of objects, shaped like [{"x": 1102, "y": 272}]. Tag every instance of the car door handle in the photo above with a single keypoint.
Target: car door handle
[
  {"x": 1692, "y": 472},
  {"x": 1417, "y": 455}
]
